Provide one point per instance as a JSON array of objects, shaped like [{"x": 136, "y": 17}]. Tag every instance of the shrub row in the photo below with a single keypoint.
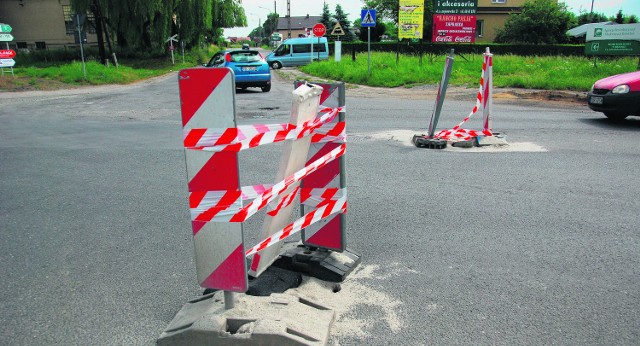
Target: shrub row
[{"x": 478, "y": 48}]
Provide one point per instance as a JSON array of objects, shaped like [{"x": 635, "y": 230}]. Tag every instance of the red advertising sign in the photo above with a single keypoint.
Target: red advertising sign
[
  {"x": 319, "y": 30},
  {"x": 7, "y": 53},
  {"x": 454, "y": 28}
]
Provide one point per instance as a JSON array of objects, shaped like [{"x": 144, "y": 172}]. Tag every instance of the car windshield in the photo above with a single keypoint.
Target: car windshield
[{"x": 244, "y": 56}]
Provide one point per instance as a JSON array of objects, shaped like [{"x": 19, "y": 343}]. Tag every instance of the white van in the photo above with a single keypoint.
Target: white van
[{"x": 297, "y": 51}]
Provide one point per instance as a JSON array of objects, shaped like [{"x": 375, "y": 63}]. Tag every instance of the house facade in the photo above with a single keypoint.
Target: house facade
[
  {"x": 43, "y": 24},
  {"x": 491, "y": 16},
  {"x": 299, "y": 26}
]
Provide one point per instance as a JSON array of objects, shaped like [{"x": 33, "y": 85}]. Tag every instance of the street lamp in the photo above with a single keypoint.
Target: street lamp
[{"x": 273, "y": 24}]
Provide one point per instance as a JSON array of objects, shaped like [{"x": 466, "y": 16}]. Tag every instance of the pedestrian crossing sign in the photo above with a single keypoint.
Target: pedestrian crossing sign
[{"x": 368, "y": 18}]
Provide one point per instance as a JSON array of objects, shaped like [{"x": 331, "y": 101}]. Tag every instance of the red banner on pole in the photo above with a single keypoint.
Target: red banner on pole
[
  {"x": 454, "y": 28},
  {"x": 7, "y": 53}
]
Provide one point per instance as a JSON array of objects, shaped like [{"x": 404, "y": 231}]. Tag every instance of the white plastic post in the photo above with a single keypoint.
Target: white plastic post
[
  {"x": 487, "y": 100},
  {"x": 305, "y": 103}
]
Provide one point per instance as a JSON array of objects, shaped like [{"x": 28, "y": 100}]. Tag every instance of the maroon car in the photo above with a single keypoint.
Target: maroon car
[{"x": 617, "y": 96}]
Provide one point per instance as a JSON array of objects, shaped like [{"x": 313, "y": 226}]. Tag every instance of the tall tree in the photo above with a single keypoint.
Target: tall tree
[
  {"x": 227, "y": 14},
  {"x": 632, "y": 19},
  {"x": 541, "y": 21},
  {"x": 619, "y": 17},
  {"x": 146, "y": 24},
  {"x": 341, "y": 18},
  {"x": 327, "y": 18},
  {"x": 386, "y": 10},
  {"x": 271, "y": 24}
]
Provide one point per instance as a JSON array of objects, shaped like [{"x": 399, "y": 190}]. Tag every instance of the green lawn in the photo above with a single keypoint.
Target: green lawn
[{"x": 551, "y": 73}]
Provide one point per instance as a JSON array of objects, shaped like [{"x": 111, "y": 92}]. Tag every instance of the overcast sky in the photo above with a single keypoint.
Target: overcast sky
[{"x": 257, "y": 10}]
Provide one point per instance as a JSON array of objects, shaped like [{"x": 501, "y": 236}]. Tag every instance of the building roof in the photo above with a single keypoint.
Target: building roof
[
  {"x": 298, "y": 23},
  {"x": 581, "y": 30}
]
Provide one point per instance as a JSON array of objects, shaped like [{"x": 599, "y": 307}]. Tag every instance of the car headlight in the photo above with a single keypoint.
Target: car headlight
[{"x": 620, "y": 89}]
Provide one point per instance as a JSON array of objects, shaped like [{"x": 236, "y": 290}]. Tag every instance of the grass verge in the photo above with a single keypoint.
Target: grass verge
[{"x": 549, "y": 73}]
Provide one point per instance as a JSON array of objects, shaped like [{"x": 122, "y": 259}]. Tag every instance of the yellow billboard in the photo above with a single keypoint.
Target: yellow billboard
[{"x": 410, "y": 18}]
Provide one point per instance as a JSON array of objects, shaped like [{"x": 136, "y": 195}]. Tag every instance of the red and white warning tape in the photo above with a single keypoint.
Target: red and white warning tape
[
  {"x": 226, "y": 206},
  {"x": 251, "y": 136},
  {"x": 329, "y": 208},
  {"x": 457, "y": 133}
]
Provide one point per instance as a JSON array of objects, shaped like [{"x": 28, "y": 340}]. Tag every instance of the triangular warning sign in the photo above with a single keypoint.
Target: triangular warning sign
[
  {"x": 337, "y": 30},
  {"x": 368, "y": 19}
]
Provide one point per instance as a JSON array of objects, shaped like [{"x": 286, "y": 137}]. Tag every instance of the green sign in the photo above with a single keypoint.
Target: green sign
[
  {"x": 611, "y": 47},
  {"x": 455, "y": 6},
  {"x": 6, "y": 37},
  {"x": 5, "y": 28},
  {"x": 600, "y": 32}
]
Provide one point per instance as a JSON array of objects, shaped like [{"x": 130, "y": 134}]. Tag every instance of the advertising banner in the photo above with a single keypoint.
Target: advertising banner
[
  {"x": 410, "y": 18},
  {"x": 456, "y": 6},
  {"x": 454, "y": 28}
]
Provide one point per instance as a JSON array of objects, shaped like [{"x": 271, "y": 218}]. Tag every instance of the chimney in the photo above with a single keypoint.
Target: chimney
[{"x": 307, "y": 16}]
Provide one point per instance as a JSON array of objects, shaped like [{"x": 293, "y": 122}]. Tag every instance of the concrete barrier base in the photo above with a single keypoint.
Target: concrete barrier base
[
  {"x": 280, "y": 319},
  {"x": 319, "y": 263},
  {"x": 496, "y": 139}
]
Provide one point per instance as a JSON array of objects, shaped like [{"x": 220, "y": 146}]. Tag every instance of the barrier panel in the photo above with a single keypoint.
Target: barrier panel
[
  {"x": 212, "y": 141},
  {"x": 484, "y": 100},
  {"x": 329, "y": 183}
]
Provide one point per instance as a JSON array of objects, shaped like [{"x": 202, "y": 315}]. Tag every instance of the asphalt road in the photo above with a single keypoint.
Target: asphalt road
[{"x": 534, "y": 245}]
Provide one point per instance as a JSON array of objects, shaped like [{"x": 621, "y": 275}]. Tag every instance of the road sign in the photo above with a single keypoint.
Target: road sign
[
  {"x": 612, "y": 47},
  {"x": 7, "y": 53},
  {"x": 337, "y": 30},
  {"x": 6, "y": 28},
  {"x": 7, "y": 62},
  {"x": 319, "y": 30},
  {"x": 6, "y": 37},
  {"x": 368, "y": 18},
  {"x": 173, "y": 38},
  {"x": 602, "y": 32}
]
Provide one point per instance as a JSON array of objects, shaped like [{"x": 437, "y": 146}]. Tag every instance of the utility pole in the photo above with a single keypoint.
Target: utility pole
[
  {"x": 591, "y": 13},
  {"x": 288, "y": 18}
]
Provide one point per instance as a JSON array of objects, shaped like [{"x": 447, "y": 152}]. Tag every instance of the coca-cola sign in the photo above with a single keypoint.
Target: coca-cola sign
[{"x": 454, "y": 28}]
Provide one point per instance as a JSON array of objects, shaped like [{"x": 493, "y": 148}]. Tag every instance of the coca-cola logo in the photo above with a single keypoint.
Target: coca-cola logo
[
  {"x": 463, "y": 39},
  {"x": 444, "y": 38}
]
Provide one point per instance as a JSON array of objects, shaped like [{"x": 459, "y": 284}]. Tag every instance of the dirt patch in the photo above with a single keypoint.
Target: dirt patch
[{"x": 22, "y": 83}]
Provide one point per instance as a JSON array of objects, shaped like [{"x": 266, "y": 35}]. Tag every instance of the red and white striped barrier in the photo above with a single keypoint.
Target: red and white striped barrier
[
  {"x": 484, "y": 101},
  {"x": 212, "y": 142},
  {"x": 329, "y": 233}
]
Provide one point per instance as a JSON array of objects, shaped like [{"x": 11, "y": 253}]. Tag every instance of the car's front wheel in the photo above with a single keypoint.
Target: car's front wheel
[
  {"x": 276, "y": 65},
  {"x": 615, "y": 116},
  {"x": 266, "y": 88}
]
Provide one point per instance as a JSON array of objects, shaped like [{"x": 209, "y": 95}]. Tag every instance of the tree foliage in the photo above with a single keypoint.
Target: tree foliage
[
  {"x": 146, "y": 24},
  {"x": 327, "y": 18},
  {"x": 586, "y": 18},
  {"x": 271, "y": 24},
  {"x": 541, "y": 21},
  {"x": 341, "y": 18}
]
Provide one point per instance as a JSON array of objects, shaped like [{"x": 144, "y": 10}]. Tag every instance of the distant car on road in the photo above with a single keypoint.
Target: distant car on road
[
  {"x": 249, "y": 67},
  {"x": 617, "y": 96}
]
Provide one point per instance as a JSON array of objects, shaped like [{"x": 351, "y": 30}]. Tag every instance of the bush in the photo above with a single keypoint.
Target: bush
[{"x": 478, "y": 48}]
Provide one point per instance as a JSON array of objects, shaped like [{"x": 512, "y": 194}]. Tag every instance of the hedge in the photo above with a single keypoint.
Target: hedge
[{"x": 477, "y": 48}]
